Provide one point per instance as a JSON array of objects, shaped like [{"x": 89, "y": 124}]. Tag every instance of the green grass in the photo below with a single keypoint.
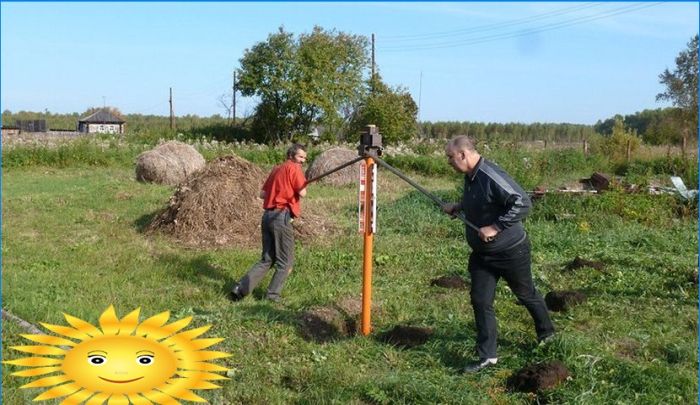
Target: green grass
[{"x": 72, "y": 243}]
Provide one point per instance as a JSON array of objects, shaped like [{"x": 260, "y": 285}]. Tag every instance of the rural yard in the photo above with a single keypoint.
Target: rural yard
[{"x": 618, "y": 267}]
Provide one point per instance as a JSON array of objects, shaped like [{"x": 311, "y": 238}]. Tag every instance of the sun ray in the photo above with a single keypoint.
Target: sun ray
[
  {"x": 34, "y": 362},
  {"x": 128, "y": 324},
  {"x": 98, "y": 399},
  {"x": 40, "y": 350},
  {"x": 204, "y": 355},
  {"x": 138, "y": 399},
  {"x": 66, "y": 331},
  {"x": 77, "y": 397},
  {"x": 152, "y": 324},
  {"x": 33, "y": 372},
  {"x": 160, "y": 398},
  {"x": 203, "y": 385},
  {"x": 83, "y": 326},
  {"x": 47, "y": 381},
  {"x": 178, "y": 388},
  {"x": 170, "y": 328},
  {"x": 193, "y": 333},
  {"x": 198, "y": 375},
  {"x": 49, "y": 340},
  {"x": 57, "y": 392},
  {"x": 199, "y": 344},
  {"x": 118, "y": 400},
  {"x": 201, "y": 366},
  {"x": 109, "y": 321}
]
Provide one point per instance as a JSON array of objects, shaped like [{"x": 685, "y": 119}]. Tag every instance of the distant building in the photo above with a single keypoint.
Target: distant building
[
  {"x": 103, "y": 122},
  {"x": 10, "y": 131}
]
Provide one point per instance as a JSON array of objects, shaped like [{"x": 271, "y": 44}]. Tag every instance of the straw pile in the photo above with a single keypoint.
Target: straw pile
[
  {"x": 220, "y": 207},
  {"x": 331, "y": 159},
  {"x": 170, "y": 163}
]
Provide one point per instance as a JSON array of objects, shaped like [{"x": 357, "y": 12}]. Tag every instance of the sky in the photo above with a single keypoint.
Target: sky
[{"x": 461, "y": 61}]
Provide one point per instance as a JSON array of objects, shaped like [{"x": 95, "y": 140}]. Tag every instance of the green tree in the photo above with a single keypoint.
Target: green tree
[
  {"x": 311, "y": 80},
  {"x": 391, "y": 109},
  {"x": 682, "y": 85},
  {"x": 615, "y": 146}
]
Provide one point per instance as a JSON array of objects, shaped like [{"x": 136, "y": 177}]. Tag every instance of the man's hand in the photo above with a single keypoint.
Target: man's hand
[
  {"x": 451, "y": 209},
  {"x": 488, "y": 233}
]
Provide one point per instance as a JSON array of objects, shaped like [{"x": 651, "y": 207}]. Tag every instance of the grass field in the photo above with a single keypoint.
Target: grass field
[{"x": 72, "y": 243}]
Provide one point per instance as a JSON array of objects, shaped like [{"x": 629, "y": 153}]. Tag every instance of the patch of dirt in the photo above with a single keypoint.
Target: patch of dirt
[
  {"x": 323, "y": 324},
  {"x": 627, "y": 348},
  {"x": 559, "y": 301},
  {"x": 219, "y": 206},
  {"x": 453, "y": 281},
  {"x": 538, "y": 377},
  {"x": 406, "y": 336},
  {"x": 579, "y": 262}
]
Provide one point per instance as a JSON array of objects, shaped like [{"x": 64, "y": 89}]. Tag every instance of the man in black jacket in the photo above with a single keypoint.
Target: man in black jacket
[{"x": 496, "y": 204}]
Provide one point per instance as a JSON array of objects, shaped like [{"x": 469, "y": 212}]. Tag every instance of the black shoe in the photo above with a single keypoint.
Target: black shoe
[
  {"x": 235, "y": 294},
  {"x": 479, "y": 365}
]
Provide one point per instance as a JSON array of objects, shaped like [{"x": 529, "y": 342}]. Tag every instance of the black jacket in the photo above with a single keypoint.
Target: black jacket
[{"x": 492, "y": 197}]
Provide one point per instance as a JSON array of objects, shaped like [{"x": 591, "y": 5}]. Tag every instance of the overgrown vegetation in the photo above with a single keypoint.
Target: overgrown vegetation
[{"x": 72, "y": 242}]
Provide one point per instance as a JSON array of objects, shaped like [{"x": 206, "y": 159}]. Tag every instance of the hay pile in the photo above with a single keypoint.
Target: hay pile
[
  {"x": 220, "y": 207},
  {"x": 331, "y": 159},
  {"x": 170, "y": 163}
]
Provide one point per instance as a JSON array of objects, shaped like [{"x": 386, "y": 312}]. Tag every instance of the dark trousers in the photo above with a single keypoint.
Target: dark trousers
[
  {"x": 277, "y": 250},
  {"x": 514, "y": 266}
]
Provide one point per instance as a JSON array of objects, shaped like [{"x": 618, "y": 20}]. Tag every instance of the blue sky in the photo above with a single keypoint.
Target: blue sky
[{"x": 487, "y": 62}]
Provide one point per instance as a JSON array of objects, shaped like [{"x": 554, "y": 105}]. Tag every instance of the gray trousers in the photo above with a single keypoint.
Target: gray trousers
[{"x": 277, "y": 250}]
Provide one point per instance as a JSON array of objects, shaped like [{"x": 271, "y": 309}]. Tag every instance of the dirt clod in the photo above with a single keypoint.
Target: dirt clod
[
  {"x": 454, "y": 281},
  {"x": 538, "y": 377},
  {"x": 406, "y": 336},
  {"x": 323, "y": 324},
  {"x": 559, "y": 301},
  {"x": 579, "y": 262}
]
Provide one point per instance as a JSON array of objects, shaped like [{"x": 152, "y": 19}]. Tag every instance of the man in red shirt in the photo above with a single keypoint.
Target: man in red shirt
[{"x": 281, "y": 193}]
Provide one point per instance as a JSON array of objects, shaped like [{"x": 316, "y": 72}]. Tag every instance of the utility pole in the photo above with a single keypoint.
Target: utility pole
[
  {"x": 171, "y": 108},
  {"x": 233, "y": 102},
  {"x": 372, "y": 79},
  {"x": 420, "y": 93}
]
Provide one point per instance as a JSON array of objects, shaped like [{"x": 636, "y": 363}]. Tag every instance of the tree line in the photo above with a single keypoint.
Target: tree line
[{"x": 323, "y": 81}]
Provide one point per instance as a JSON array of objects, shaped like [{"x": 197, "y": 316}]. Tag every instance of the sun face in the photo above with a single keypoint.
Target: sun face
[{"x": 122, "y": 361}]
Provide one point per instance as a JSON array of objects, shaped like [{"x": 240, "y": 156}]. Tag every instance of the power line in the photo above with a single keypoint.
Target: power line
[
  {"x": 507, "y": 35},
  {"x": 489, "y": 27}
]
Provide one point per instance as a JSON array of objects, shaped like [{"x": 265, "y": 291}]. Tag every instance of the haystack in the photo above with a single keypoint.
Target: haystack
[
  {"x": 170, "y": 163},
  {"x": 331, "y": 159},
  {"x": 219, "y": 206}
]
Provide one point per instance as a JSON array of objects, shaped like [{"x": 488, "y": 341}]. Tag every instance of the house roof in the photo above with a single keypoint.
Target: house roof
[{"x": 102, "y": 117}]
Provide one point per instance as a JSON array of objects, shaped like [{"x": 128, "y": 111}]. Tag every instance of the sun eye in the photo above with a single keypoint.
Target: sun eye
[
  {"x": 145, "y": 360},
  {"x": 97, "y": 359}
]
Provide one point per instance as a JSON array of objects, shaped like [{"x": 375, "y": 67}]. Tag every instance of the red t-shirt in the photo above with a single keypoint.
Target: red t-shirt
[{"x": 282, "y": 187}]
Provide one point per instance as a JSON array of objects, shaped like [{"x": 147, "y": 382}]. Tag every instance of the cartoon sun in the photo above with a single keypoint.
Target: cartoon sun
[{"x": 122, "y": 361}]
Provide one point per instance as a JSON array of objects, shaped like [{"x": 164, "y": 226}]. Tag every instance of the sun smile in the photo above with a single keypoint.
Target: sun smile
[{"x": 120, "y": 381}]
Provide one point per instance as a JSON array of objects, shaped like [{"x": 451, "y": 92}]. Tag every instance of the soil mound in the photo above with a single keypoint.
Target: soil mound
[
  {"x": 170, "y": 163},
  {"x": 454, "y": 282},
  {"x": 580, "y": 263},
  {"x": 406, "y": 336},
  {"x": 323, "y": 324},
  {"x": 220, "y": 206},
  {"x": 331, "y": 159},
  {"x": 559, "y": 301},
  {"x": 538, "y": 377}
]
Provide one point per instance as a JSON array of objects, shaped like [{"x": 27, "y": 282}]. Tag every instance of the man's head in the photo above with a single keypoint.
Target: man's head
[
  {"x": 461, "y": 154},
  {"x": 297, "y": 153}
]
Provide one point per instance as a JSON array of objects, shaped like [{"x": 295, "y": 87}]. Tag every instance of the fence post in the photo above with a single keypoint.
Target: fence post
[{"x": 585, "y": 147}]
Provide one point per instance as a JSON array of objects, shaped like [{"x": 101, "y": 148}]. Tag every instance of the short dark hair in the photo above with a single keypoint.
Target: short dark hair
[{"x": 296, "y": 147}]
